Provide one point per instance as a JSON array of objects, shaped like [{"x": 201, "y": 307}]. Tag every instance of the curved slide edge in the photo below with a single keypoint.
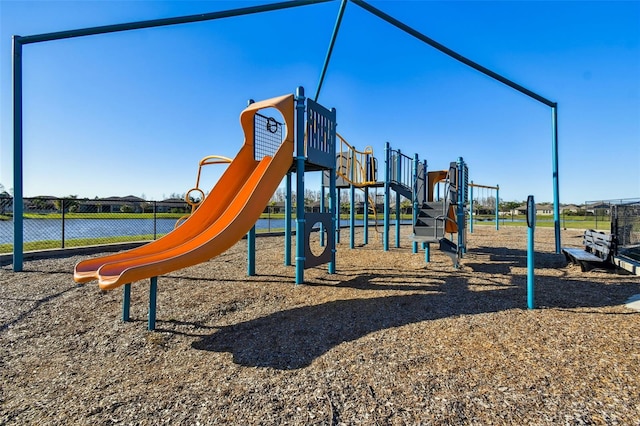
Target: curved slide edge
[
  {"x": 211, "y": 208},
  {"x": 236, "y": 221},
  {"x": 235, "y": 200}
]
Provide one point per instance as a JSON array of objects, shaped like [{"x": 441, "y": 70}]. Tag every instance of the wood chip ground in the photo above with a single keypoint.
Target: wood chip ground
[{"x": 387, "y": 340}]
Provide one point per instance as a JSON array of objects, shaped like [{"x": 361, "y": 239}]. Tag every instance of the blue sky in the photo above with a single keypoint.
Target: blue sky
[{"x": 134, "y": 112}]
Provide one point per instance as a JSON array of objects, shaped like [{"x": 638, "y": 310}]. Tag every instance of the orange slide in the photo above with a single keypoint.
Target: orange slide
[{"x": 224, "y": 217}]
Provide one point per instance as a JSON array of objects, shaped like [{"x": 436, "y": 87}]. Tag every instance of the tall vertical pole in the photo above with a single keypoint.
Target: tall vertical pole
[
  {"x": 471, "y": 208},
  {"x": 18, "y": 193},
  {"x": 497, "y": 207},
  {"x": 287, "y": 221},
  {"x": 333, "y": 207},
  {"x": 300, "y": 159},
  {"x": 365, "y": 221},
  {"x": 414, "y": 247},
  {"x": 531, "y": 225},
  {"x": 387, "y": 177},
  {"x": 460, "y": 207},
  {"x": 427, "y": 190},
  {"x": 352, "y": 203},
  {"x": 399, "y": 180},
  {"x": 556, "y": 184}
]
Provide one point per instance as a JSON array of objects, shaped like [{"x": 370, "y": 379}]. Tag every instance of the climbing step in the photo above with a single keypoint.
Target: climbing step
[{"x": 430, "y": 225}]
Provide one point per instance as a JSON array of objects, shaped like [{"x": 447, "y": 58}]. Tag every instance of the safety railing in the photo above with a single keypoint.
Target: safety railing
[
  {"x": 401, "y": 169},
  {"x": 359, "y": 168}
]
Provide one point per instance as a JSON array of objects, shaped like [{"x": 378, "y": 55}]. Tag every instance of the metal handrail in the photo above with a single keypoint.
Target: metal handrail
[{"x": 354, "y": 164}]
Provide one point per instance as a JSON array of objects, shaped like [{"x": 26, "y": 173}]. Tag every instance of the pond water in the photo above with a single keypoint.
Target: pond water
[{"x": 51, "y": 229}]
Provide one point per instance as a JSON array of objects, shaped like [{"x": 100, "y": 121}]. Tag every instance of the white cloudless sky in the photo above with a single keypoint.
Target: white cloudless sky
[{"x": 132, "y": 113}]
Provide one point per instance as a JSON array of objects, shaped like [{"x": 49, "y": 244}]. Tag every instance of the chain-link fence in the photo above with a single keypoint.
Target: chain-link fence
[
  {"x": 50, "y": 222},
  {"x": 53, "y": 223},
  {"x": 626, "y": 224}
]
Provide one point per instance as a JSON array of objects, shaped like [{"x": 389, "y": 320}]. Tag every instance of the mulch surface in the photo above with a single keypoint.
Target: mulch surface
[{"x": 387, "y": 340}]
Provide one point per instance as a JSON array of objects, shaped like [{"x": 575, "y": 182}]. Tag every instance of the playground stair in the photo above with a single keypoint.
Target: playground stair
[
  {"x": 430, "y": 222},
  {"x": 430, "y": 228},
  {"x": 402, "y": 189}
]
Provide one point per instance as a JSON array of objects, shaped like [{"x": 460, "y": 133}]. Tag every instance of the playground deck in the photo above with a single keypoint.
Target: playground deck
[{"x": 386, "y": 340}]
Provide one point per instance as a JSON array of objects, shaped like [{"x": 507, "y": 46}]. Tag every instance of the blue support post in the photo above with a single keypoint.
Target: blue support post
[
  {"x": 287, "y": 221},
  {"x": 366, "y": 216},
  {"x": 415, "y": 197},
  {"x": 323, "y": 209},
  {"x": 300, "y": 159},
  {"x": 497, "y": 207},
  {"x": 352, "y": 204},
  {"x": 471, "y": 208},
  {"x": 531, "y": 224},
  {"x": 251, "y": 252},
  {"x": 18, "y": 207},
  {"x": 556, "y": 184},
  {"x": 427, "y": 252},
  {"x": 387, "y": 177},
  {"x": 338, "y": 216},
  {"x": 460, "y": 207},
  {"x": 333, "y": 204},
  {"x": 126, "y": 302},
  {"x": 153, "y": 293},
  {"x": 399, "y": 180},
  {"x": 426, "y": 189}
]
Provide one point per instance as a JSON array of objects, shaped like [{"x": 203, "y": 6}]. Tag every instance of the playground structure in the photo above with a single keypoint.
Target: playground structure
[
  {"x": 237, "y": 200},
  {"x": 405, "y": 176},
  {"x": 620, "y": 248},
  {"x": 435, "y": 218},
  {"x": 20, "y": 41}
]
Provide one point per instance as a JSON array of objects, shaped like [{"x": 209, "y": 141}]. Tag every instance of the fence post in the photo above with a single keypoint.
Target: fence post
[
  {"x": 155, "y": 221},
  {"x": 62, "y": 208}
]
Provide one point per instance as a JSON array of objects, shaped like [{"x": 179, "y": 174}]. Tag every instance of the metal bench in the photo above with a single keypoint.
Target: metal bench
[{"x": 598, "y": 248}]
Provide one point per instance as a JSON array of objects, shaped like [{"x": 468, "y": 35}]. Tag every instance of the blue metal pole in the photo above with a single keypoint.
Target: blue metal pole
[
  {"x": 415, "y": 197},
  {"x": 126, "y": 302},
  {"x": 251, "y": 252},
  {"x": 366, "y": 216},
  {"x": 352, "y": 206},
  {"x": 153, "y": 292},
  {"x": 460, "y": 207},
  {"x": 333, "y": 206},
  {"x": 399, "y": 180},
  {"x": 387, "y": 177},
  {"x": 556, "y": 184},
  {"x": 18, "y": 206},
  {"x": 287, "y": 221},
  {"x": 169, "y": 21},
  {"x": 323, "y": 210},
  {"x": 300, "y": 159},
  {"x": 531, "y": 224},
  {"x": 352, "y": 216},
  {"x": 427, "y": 252},
  {"x": 471, "y": 208},
  {"x": 338, "y": 207},
  {"x": 497, "y": 207},
  {"x": 327, "y": 58},
  {"x": 426, "y": 188},
  {"x": 530, "y": 269}
]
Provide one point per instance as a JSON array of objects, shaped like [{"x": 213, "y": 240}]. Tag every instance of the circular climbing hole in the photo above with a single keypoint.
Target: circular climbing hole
[{"x": 316, "y": 237}]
